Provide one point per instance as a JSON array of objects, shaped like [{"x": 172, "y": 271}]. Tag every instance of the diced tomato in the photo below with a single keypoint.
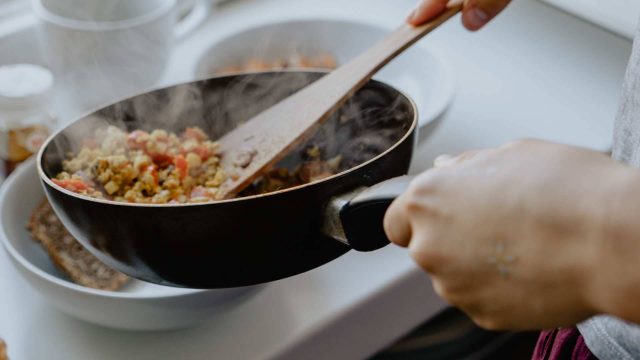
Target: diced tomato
[
  {"x": 182, "y": 165},
  {"x": 134, "y": 139},
  {"x": 202, "y": 151},
  {"x": 195, "y": 134},
  {"x": 74, "y": 185},
  {"x": 154, "y": 173},
  {"x": 162, "y": 160}
]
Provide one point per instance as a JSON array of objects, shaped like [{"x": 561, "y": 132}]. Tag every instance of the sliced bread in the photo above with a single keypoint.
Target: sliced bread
[{"x": 68, "y": 255}]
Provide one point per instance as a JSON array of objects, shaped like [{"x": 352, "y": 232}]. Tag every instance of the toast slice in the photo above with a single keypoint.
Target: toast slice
[
  {"x": 3, "y": 351},
  {"x": 68, "y": 255}
]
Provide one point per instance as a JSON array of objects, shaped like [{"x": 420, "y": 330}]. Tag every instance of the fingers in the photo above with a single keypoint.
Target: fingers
[
  {"x": 397, "y": 224},
  {"x": 426, "y": 10},
  {"x": 400, "y": 218},
  {"x": 448, "y": 160},
  {"x": 444, "y": 161},
  {"x": 477, "y": 13},
  {"x": 397, "y": 220}
]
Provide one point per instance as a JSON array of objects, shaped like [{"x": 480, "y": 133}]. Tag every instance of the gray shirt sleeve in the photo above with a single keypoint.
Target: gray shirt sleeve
[{"x": 609, "y": 338}]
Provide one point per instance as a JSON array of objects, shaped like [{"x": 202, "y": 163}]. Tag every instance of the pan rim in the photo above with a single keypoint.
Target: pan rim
[{"x": 46, "y": 180}]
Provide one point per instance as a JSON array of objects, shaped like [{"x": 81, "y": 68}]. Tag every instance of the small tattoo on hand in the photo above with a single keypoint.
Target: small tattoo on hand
[{"x": 501, "y": 260}]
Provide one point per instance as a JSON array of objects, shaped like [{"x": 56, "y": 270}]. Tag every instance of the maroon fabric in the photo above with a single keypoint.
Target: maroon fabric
[{"x": 562, "y": 344}]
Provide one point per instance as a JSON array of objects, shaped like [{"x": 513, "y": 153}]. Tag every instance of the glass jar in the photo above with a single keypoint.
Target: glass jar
[{"x": 25, "y": 119}]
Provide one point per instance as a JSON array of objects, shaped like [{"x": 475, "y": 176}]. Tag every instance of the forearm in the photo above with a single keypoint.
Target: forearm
[{"x": 615, "y": 271}]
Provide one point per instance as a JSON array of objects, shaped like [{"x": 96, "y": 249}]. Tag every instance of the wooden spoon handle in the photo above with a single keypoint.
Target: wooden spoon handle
[{"x": 270, "y": 136}]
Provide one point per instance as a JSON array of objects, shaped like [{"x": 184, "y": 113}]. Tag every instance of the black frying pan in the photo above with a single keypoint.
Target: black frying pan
[{"x": 253, "y": 239}]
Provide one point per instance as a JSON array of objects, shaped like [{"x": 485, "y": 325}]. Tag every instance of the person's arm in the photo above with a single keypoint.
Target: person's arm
[
  {"x": 475, "y": 13},
  {"x": 531, "y": 235}
]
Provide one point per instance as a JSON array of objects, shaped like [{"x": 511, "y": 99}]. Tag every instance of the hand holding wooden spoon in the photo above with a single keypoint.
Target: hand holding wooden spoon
[{"x": 251, "y": 149}]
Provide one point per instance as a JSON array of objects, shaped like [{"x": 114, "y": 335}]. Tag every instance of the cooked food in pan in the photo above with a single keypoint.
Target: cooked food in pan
[
  {"x": 158, "y": 167},
  {"x": 68, "y": 255},
  {"x": 313, "y": 167},
  {"x": 164, "y": 168}
]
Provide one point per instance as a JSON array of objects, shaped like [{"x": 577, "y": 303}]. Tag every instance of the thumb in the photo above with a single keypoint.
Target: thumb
[
  {"x": 477, "y": 13},
  {"x": 426, "y": 10}
]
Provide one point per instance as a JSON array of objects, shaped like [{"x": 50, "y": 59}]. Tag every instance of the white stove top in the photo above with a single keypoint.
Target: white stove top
[{"x": 535, "y": 72}]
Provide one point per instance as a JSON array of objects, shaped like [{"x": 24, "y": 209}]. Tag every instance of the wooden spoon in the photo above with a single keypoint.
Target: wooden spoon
[{"x": 252, "y": 148}]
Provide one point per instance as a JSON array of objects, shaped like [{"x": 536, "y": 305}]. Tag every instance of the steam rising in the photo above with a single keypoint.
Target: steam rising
[{"x": 364, "y": 127}]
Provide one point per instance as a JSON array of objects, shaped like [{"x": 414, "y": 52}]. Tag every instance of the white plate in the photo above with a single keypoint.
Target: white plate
[
  {"x": 421, "y": 73},
  {"x": 138, "y": 306}
]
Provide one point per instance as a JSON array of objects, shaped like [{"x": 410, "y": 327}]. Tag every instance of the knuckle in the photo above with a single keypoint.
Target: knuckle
[
  {"x": 512, "y": 144},
  {"x": 414, "y": 205},
  {"x": 520, "y": 143},
  {"x": 487, "y": 322},
  {"x": 440, "y": 289},
  {"x": 474, "y": 157},
  {"x": 423, "y": 253},
  {"x": 455, "y": 298},
  {"x": 428, "y": 182},
  {"x": 481, "y": 321},
  {"x": 478, "y": 312},
  {"x": 487, "y": 317},
  {"x": 468, "y": 154},
  {"x": 420, "y": 191},
  {"x": 425, "y": 250}
]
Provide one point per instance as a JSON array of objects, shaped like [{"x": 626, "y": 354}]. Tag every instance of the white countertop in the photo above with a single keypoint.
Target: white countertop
[
  {"x": 619, "y": 16},
  {"x": 535, "y": 72}
]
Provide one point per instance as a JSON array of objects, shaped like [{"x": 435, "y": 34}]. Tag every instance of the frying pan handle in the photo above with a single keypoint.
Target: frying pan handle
[{"x": 362, "y": 217}]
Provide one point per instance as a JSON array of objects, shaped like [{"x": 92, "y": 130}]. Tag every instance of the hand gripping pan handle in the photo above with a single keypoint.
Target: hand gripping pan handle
[{"x": 356, "y": 218}]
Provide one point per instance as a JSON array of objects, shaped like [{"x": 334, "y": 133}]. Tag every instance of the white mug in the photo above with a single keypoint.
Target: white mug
[{"x": 105, "y": 50}]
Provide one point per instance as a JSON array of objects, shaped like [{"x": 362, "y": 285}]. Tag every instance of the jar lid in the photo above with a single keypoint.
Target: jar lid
[{"x": 24, "y": 86}]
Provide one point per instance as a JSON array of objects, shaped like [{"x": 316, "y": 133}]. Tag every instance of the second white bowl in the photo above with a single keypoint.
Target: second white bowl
[
  {"x": 421, "y": 73},
  {"x": 138, "y": 306}
]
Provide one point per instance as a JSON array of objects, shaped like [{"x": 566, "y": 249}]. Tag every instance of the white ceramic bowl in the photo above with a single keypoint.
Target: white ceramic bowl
[
  {"x": 420, "y": 72},
  {"x": 138, "y": 306}
]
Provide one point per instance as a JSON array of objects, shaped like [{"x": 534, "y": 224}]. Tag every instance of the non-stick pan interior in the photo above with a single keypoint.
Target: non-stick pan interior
[{"x": 366, "y": 126}]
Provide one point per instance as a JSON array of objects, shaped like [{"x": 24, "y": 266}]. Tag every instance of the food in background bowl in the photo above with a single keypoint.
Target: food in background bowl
[
  {"x": 68, "y": 255},
  {"x": 422, "y": 72},
  {"x": 295, "y": 61}
]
